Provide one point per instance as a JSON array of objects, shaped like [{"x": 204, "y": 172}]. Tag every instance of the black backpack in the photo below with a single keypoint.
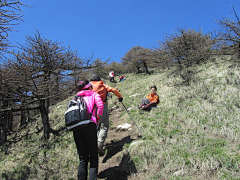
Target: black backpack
[{"x": 77, "y": 115}]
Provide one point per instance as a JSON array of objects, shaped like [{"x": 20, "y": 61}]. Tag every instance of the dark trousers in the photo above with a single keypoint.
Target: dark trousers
[
  {"x": 86, "y": 142},
  {"x": 111, "y": 79}
]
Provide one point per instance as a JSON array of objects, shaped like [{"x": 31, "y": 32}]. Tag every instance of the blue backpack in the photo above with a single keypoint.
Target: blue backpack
[{"x": 77, "y": 115}]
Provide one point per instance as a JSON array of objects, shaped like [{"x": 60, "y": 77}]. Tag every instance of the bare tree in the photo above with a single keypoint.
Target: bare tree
[
  {"x": 100, "y": 68},
  {"x": 230, "y": 33},
  {"x": 10, "y": 16},
  {"x": 161, "y": 58},
  {"x": 116, "y": 67},
  {"x": 41, "y": 65},
  {"x": 187, "y": 48},
  {"x": 137, "y": 58},
  {"x": 8, "y": 97}
]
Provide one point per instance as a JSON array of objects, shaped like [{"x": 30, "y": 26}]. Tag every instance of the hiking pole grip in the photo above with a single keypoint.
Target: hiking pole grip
[{"x": 133, "y": 121}]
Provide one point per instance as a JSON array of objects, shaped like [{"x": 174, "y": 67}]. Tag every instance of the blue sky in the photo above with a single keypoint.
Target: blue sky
[{"x": 109, "y": 28}]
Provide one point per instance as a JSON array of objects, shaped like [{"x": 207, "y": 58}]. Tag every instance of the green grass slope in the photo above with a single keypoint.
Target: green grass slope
[{"x": 193, "y": 134}]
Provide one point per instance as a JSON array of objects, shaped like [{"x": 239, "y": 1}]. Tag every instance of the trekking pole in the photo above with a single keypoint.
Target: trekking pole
[{"x": 133, "y": 121}]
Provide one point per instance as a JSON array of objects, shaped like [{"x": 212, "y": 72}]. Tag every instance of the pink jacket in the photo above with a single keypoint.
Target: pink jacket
[{"x": 92, "y": 98}]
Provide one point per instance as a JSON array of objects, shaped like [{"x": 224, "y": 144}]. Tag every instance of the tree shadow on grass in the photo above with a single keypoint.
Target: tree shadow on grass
[
  {"x": 121, "y": 172},
  {"x": 126, "y": 166},
  {"x": 115, "y": 147}
]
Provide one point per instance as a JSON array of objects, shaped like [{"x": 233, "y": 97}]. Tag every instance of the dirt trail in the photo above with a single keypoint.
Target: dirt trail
[{"x": 116, "y": 164}]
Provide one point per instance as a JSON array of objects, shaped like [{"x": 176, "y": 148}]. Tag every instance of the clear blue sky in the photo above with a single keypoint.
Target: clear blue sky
[{"x": 109, "y": 28}]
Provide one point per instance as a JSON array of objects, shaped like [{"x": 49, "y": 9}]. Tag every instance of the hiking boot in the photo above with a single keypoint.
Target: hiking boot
[{"x": 101, "y": 152}]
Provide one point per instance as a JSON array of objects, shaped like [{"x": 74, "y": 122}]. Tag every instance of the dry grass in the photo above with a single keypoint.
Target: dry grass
[
  {"x": 193, "y": 134},
  {"x": 195, "y": 130}
]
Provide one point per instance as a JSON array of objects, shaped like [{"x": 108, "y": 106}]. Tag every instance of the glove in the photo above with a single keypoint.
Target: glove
[{"x": 120, "y": 99}]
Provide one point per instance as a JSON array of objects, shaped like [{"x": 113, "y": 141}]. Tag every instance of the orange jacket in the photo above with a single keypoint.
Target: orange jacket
[
  {"x": 153, "y": 98},
  {"x": 154, "y": 101},
  {"x": 102, "y": 90}
]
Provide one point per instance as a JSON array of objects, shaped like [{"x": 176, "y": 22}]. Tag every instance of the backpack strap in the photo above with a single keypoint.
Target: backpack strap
[{"x": 76, "y": 98}]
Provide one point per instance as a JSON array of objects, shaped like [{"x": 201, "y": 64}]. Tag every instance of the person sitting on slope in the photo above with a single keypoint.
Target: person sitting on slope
[
  {"x": 152, "y": 100},
  {"x": 121, "y": 78}
]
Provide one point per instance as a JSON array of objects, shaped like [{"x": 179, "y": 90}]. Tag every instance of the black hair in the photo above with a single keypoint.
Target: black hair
[
  {"x": 153, "y": 87},
  {"x": 82, "y": 84}
]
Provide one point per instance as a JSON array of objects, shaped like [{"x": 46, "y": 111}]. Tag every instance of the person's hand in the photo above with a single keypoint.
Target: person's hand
[
  {"x": 120, "y": 99},
  {"x": 98, "y": 120}
]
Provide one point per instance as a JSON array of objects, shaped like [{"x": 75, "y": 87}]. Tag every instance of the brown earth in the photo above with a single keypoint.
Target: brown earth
[{"x": 116, "y": 164}]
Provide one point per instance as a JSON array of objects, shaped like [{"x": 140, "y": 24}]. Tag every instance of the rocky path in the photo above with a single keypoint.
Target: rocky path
[{"x": 117, "y": 164}]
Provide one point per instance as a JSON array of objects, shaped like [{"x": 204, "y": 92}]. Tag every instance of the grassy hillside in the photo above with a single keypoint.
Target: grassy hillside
[
  {"x": 193, "y": 134},
  {"x": 195, "y": 130}
]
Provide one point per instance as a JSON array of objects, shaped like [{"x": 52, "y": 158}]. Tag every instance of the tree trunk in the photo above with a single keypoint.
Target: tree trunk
[
  {"x": 10, "y": 122},
  {"x": 57, "y": 87},
  {"x": 4, "y": 123},
  {"x": 145, "y": 65},
  {"x": 3, "y": 128},
  {"x": 138, "y": 70},
  {"x": 45, "y": 119},
  {"x": 239, "y": 50},
  {"x": 23, "y": 118}
]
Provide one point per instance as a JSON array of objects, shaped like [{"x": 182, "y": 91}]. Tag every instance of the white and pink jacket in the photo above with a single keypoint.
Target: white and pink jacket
[{"x": 92, "y": 98}]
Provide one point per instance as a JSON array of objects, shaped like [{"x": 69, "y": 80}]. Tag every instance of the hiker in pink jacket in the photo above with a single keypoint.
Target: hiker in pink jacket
[
  {"x": 86, "y": 137},
  {"x": 92, "y": 98}
]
